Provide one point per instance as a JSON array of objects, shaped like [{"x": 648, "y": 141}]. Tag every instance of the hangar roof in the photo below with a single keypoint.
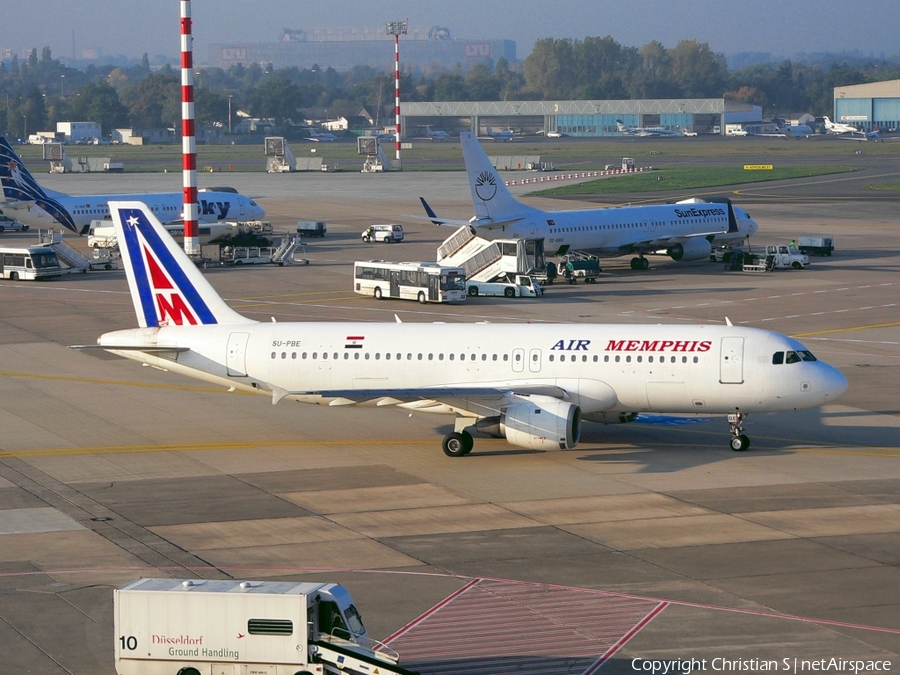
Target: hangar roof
[
  {"x": 886, "y": 89},
  {"x": 642, "y": 107}
]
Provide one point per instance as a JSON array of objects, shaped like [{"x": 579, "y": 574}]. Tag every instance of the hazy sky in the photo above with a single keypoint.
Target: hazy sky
[{"x": 782, "y": 28}]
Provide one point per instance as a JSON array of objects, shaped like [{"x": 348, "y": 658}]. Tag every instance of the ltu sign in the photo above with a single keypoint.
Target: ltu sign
[
  {"x": 234, "y": 53},
  {"x": 478, "y": 50}
]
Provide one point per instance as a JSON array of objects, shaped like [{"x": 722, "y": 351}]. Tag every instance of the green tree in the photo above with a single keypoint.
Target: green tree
[
  {"x": 482, "y": 84},
  {"x": 698, "y": 71},
  {"x": 653, "y": 78},
  {"x": 99, "y": 102},
  {"x": 550, "y": 69},
  {"x": 275, "y": 97},
  {"x": 155, "y": 101}
]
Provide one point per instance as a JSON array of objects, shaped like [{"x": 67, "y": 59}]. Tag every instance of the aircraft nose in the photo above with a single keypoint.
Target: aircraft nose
[{"x": 834, "y": 385}]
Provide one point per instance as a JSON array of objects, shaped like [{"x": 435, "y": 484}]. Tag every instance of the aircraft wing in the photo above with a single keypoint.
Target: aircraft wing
[{"x": 486, "y": 394}]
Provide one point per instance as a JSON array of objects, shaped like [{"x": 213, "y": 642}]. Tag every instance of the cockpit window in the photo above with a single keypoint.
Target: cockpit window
[
  {"x": 807, "y": 356},
  {"x": 792, "y": 357},
  {"x": 777, "y": 358}
]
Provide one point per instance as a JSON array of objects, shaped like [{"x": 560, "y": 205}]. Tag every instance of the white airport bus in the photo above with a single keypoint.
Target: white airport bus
[
  {"x": 422, "y": 281},
  {"x": 29, "y": 262}
]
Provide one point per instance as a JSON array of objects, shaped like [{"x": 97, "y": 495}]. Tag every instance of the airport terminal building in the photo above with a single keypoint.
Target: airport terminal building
[
  {"x": 869, "y": 106},
  {"x": 587, "y": 119}
]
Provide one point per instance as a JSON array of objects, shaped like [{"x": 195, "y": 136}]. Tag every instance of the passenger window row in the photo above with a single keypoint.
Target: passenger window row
[{"x": 335, "y": 356}]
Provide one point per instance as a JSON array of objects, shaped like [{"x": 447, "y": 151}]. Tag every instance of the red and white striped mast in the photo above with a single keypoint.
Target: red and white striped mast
[
  {"x": 397, "y": 28},
  {"x": 188, "y": 141}
]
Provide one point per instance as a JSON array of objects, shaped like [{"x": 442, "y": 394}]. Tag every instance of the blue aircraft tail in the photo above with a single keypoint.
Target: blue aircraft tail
[
  {"x": 20, "y": 186},
  {"x": 166, "y": 287}
]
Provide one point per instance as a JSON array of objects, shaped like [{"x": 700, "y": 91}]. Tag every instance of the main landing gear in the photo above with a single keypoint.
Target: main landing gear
[
  {"x": 739, "y": 440},
  {"x": 640, "y": 263},
  {"x": 458, "y": 444}
]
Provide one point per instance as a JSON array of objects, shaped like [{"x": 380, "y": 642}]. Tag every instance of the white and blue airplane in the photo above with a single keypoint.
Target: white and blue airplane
[
  {"x": 324, "y": 137},
  {"x": 643, "y": 132},
  {"x": 26, "y": 201},
  {"x": 532, "y": 384},
  {"x": 436, "y": 134},
  {"x": 684, "y": 231},
  {"x": 502, "y": 136}
]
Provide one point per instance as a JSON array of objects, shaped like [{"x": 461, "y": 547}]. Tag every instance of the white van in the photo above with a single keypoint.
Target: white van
[{"x": 385, "y": 233}]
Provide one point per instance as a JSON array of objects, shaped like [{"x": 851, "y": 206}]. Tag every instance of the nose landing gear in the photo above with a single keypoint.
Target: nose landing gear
[{"x": 739, "y": 440}]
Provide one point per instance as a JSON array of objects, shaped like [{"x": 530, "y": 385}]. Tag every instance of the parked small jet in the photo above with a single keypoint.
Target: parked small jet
[
  {"x": 531, "y": 384},
  {"x": 643, "y": 132},
  {"x": 685, "y": 231},
  {"x": 438, "y": 135},
  {"x": 324, "y": 137},
  {"x": 26, "y": 201},
  {"x": 503, "y": 136}
]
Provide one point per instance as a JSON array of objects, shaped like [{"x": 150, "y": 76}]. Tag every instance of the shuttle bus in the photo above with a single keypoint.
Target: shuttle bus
[
  {"x": 422, "y": 281},
  {"x": 29, "y": 262}
]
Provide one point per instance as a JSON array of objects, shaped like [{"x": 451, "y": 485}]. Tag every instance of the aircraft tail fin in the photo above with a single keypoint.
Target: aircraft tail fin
[
  {"x": 490, "y": 198},
  {"x": 20, "y": 186},
  {"x": 166, "y": 287}
]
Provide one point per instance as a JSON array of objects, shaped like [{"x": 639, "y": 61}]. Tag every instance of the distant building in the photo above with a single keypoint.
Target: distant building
[
  {"x": 868, "y": 106},
  {"x": 143, "y": 136},
  {"x": 76, "y": 131},
  {"x": 421, "y": 49}
]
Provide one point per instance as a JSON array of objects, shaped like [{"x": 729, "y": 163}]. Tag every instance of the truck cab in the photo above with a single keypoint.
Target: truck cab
[{"x": 785, "y": 256}]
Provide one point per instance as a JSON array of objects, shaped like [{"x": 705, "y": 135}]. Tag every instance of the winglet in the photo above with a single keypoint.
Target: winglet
[{"x": 430, "y": 212}]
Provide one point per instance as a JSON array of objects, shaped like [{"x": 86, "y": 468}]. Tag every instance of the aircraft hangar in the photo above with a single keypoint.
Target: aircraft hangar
[
  {"x": 586, "y": 119},
  {"x": 870, "y": 107}
]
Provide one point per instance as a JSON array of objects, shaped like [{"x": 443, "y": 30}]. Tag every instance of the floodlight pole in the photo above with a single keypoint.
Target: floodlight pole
[{"x": 397, "y": 28}]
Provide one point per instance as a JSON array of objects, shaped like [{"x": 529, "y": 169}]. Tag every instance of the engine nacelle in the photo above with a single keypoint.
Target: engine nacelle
[
  {"x": 692, "y": 249},
  {"x": 610, "y": 417},
  {"x": 540, "y": 423}
]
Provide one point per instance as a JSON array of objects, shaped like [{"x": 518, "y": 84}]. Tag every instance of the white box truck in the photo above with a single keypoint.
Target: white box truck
[{"x": 228, "y": 627}]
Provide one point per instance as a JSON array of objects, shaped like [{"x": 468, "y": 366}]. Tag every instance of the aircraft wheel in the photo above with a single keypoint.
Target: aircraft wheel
[
  {"x": 454, "y": 445},
  {"x": 740, "y": 443},
  {"x": 422, "y": 297},
  {"x": 377, "y": 293},
  {"x": 468, "y": 441},
  {"x": 509, "y": 292},
  {"x": 645, "y": 264},
  {"x": 473, "y": 291},
  {"x": 635, "y": 263}
]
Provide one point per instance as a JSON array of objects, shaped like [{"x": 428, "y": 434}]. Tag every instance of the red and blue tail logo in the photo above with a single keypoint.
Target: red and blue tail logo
[{"x": 165, "y": 293}]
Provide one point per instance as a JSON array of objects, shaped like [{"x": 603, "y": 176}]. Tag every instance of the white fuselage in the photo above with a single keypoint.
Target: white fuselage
[
  {"x": 167, "y": 206},
  {"x": 618, "y": 231},
  {"x": 603, "y": 368}
]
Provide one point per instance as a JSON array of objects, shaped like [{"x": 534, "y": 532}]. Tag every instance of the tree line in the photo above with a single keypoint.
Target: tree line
[{"x": 41, "y": 90}]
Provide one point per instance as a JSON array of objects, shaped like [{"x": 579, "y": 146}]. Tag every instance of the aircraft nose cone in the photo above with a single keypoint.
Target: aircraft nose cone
[{"x": 835, "y": 384}]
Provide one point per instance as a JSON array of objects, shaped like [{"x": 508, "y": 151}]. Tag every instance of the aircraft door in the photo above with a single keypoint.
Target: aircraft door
[
  {"x": 236, "y": 356},
  {"x": 534, "y": 360},
  {"x": 241, "y": 205},
  {"x": 731, "y": 360}
]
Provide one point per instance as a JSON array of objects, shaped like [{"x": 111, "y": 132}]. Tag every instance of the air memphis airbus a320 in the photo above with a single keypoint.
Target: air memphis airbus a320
[
  {"x": 683, "y": 231},
  {"x": 29, "y": 203},
  {"x": 531, "y": 384}
]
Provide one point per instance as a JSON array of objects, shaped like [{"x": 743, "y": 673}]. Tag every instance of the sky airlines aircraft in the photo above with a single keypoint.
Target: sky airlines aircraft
[
  {"x": 28, "y": 202},
  {"x": 643, "y": 132},
  {"x": 532, "y": 384},
  {"x": 683, "y": 231}
]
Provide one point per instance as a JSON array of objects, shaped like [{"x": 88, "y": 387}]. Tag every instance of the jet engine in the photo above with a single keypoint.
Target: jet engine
[
  {"x": 537, "y": 423},
  {"x": 692, "y": 249}
]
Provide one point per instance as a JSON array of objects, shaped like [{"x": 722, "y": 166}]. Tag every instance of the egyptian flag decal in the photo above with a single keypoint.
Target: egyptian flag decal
[{"x": 354, "y": 342}]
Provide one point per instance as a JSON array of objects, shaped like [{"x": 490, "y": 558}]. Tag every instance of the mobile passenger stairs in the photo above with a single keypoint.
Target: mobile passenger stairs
[
  {"x": 487, "y": 261},
  {"x": 75, "y": 260},
  {"x": 283, "y": 254}
]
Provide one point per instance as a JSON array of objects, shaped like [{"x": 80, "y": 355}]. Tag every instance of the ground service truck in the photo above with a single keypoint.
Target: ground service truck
[{"x": 194, "y": 627}]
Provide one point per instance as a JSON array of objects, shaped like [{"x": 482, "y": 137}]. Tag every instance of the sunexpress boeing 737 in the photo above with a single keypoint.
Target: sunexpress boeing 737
[
  {"x": 683, "y": 231},
  {"x": 531, "y": 384},
  {"x": 26, "y": 201}
]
